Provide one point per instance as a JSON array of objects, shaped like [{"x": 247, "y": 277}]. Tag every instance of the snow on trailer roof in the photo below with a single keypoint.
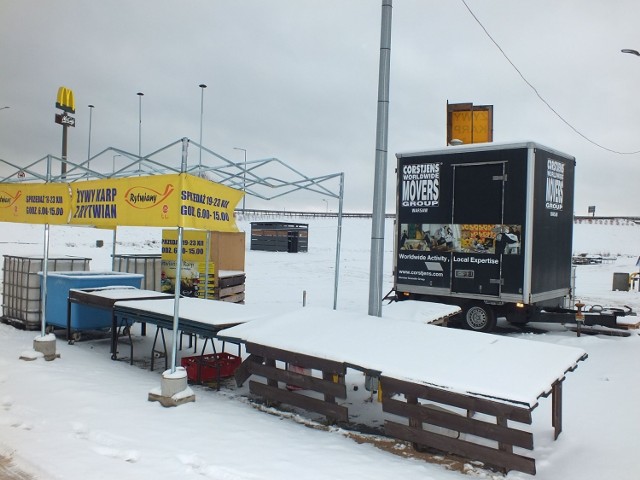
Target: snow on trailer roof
[
  {"x": 471, "y": 363},
  {"x": 479, "y": 147}
]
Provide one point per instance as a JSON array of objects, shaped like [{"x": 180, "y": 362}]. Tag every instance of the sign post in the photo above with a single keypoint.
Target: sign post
[{"x": 67, "y": 104}]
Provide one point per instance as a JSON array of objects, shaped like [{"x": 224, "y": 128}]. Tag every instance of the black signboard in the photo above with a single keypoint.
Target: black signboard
[{"x": 64, "y": 119}]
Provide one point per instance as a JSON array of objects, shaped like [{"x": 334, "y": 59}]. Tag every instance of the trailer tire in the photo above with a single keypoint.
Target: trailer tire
[{"x": 479, "y": 317}]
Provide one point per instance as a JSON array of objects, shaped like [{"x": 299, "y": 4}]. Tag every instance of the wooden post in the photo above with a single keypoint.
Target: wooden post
[
  {"x": 415, "y": 422},
  {"x": 556, "y": 408},
  {"x": 272, "y": 383},
  {"x": 328, "y": 397},
  {"x": 505, "y": 447}
]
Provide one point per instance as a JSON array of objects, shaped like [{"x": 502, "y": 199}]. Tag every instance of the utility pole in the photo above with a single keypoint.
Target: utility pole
[{"x": 380, "y": 179}]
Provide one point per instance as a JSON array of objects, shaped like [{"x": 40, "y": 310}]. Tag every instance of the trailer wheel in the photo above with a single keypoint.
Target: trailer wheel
[{"x": 479, "y": 317}]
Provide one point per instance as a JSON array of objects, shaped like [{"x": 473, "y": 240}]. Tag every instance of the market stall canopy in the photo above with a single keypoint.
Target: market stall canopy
[{"x": 175, "y": 200}]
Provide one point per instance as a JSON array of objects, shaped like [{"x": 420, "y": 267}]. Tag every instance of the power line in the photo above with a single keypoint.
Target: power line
[{"x": 535, "y": 90}]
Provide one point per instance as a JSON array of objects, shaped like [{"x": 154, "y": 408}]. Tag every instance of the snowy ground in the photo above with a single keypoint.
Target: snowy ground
[{"x": 84, "y": 416}]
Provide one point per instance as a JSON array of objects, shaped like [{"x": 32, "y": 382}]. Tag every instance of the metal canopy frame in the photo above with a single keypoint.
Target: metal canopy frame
[{"x": 254, "y": 177}]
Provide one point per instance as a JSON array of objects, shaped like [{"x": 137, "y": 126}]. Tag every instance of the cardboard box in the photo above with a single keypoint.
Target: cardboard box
[{"x": 227, "y": 250}]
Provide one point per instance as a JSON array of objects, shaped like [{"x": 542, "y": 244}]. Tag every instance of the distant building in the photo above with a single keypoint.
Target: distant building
[{"x": 280, "y": 236}]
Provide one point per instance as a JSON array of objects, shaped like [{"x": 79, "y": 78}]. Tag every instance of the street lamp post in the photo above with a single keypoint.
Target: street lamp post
[
  {"x": 140, "y": 95},
  {"x": 91, "y": 107},
  {"x": 380, "y": 179},
  {"x": 202, "y": 87},
  {"x": 637, "y": 54},
  {"x": 244, "y": 177}
]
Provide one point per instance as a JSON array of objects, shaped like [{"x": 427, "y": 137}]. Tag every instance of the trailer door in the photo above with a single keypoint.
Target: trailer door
[{"x": 478, "y": 198}]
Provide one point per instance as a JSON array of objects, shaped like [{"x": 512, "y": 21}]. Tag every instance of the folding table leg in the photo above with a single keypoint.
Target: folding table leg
[
  {"x": 128, "y": 330},
  {"x": 204, "y": 346},
  {"x": 159, "y": 330}
]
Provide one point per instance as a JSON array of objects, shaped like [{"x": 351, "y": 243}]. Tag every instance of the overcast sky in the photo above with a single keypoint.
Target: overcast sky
[{"x": 297, "y": 80}]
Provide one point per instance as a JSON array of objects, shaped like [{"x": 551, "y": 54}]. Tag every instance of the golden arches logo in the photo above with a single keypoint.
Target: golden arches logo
[
  {"x": 7, "y": 200},
  {"x": 65, "y": 100},
  {"x": 145, "y": 197}
]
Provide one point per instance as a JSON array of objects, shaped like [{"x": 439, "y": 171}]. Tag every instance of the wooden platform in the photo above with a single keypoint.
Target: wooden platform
[
  {"x": 480, "y": 388},
  {"x": 629, "y": 326},
  {"x": 230, "y": 287}
]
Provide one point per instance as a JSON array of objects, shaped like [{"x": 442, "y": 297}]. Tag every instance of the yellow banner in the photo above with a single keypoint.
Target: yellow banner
[
  {"x": 206, "y": 205},
  {"x": 141, "y": 201},
  {"x": 197, "y": 278},
  {"x": 471, "y": 126},
  {"x": 194, "y": 245},
  {"x": 178, "y": 200},
  {"x": 35, "y": 203}
]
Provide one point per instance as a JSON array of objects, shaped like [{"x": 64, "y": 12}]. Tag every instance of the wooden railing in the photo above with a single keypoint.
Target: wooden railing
[{"x": 469, "y": 426}]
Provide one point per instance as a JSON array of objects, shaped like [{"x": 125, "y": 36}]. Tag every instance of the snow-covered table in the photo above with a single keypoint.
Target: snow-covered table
[
  {"x": 105, "y": 298},
  {"x": 468, "y": 375},
  {"x": 196, "y": 316}
]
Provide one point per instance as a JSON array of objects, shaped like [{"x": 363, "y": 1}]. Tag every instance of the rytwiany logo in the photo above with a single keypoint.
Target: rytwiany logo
[
  {"x": 145, "y": 197},
  {"x": 6, "y": 199}
]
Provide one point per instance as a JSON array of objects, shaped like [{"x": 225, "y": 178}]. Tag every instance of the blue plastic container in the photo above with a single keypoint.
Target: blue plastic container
[{"x": 82, "y": 316}]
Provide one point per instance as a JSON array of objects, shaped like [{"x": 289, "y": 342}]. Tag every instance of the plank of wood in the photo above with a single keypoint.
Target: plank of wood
[
  {"x": 556, "y": 409},
  {"x": 459, "y": 423},
  {"x": 243, "y": 372},
  {"x": 231, "y": 298},
  {"x": 303, "y": 381},
  {"x": 488, "y": 455},
  {"x": 225, "y": 292},
  {"x": 390, "y": 386},
  {"x": 300, "y": 359},
  {"x": 332, "y": 411},
  {"x": 231, "y": 280}
]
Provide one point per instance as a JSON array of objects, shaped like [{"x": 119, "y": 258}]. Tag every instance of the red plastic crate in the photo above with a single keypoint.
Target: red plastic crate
[{"x": 204, "y": 368}]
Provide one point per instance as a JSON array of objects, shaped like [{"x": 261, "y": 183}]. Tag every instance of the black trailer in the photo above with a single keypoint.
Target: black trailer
[{"x": 487, "y": 227}]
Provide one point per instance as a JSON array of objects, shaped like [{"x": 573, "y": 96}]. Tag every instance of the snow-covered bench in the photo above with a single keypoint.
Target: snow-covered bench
[{"x": 481, "y": 384}]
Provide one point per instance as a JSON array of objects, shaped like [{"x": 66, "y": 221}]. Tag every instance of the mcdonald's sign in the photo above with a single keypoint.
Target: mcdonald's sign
[
  {"x": 64, "y": 119},
  {"x": 65, "y": 100}
]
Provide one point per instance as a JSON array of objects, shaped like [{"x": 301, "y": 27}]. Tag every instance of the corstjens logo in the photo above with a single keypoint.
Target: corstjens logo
[
  {"x": 421, "y": 185},
  {"x": 555, "y": 185},
  {"x": 145, "y": 197}
]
